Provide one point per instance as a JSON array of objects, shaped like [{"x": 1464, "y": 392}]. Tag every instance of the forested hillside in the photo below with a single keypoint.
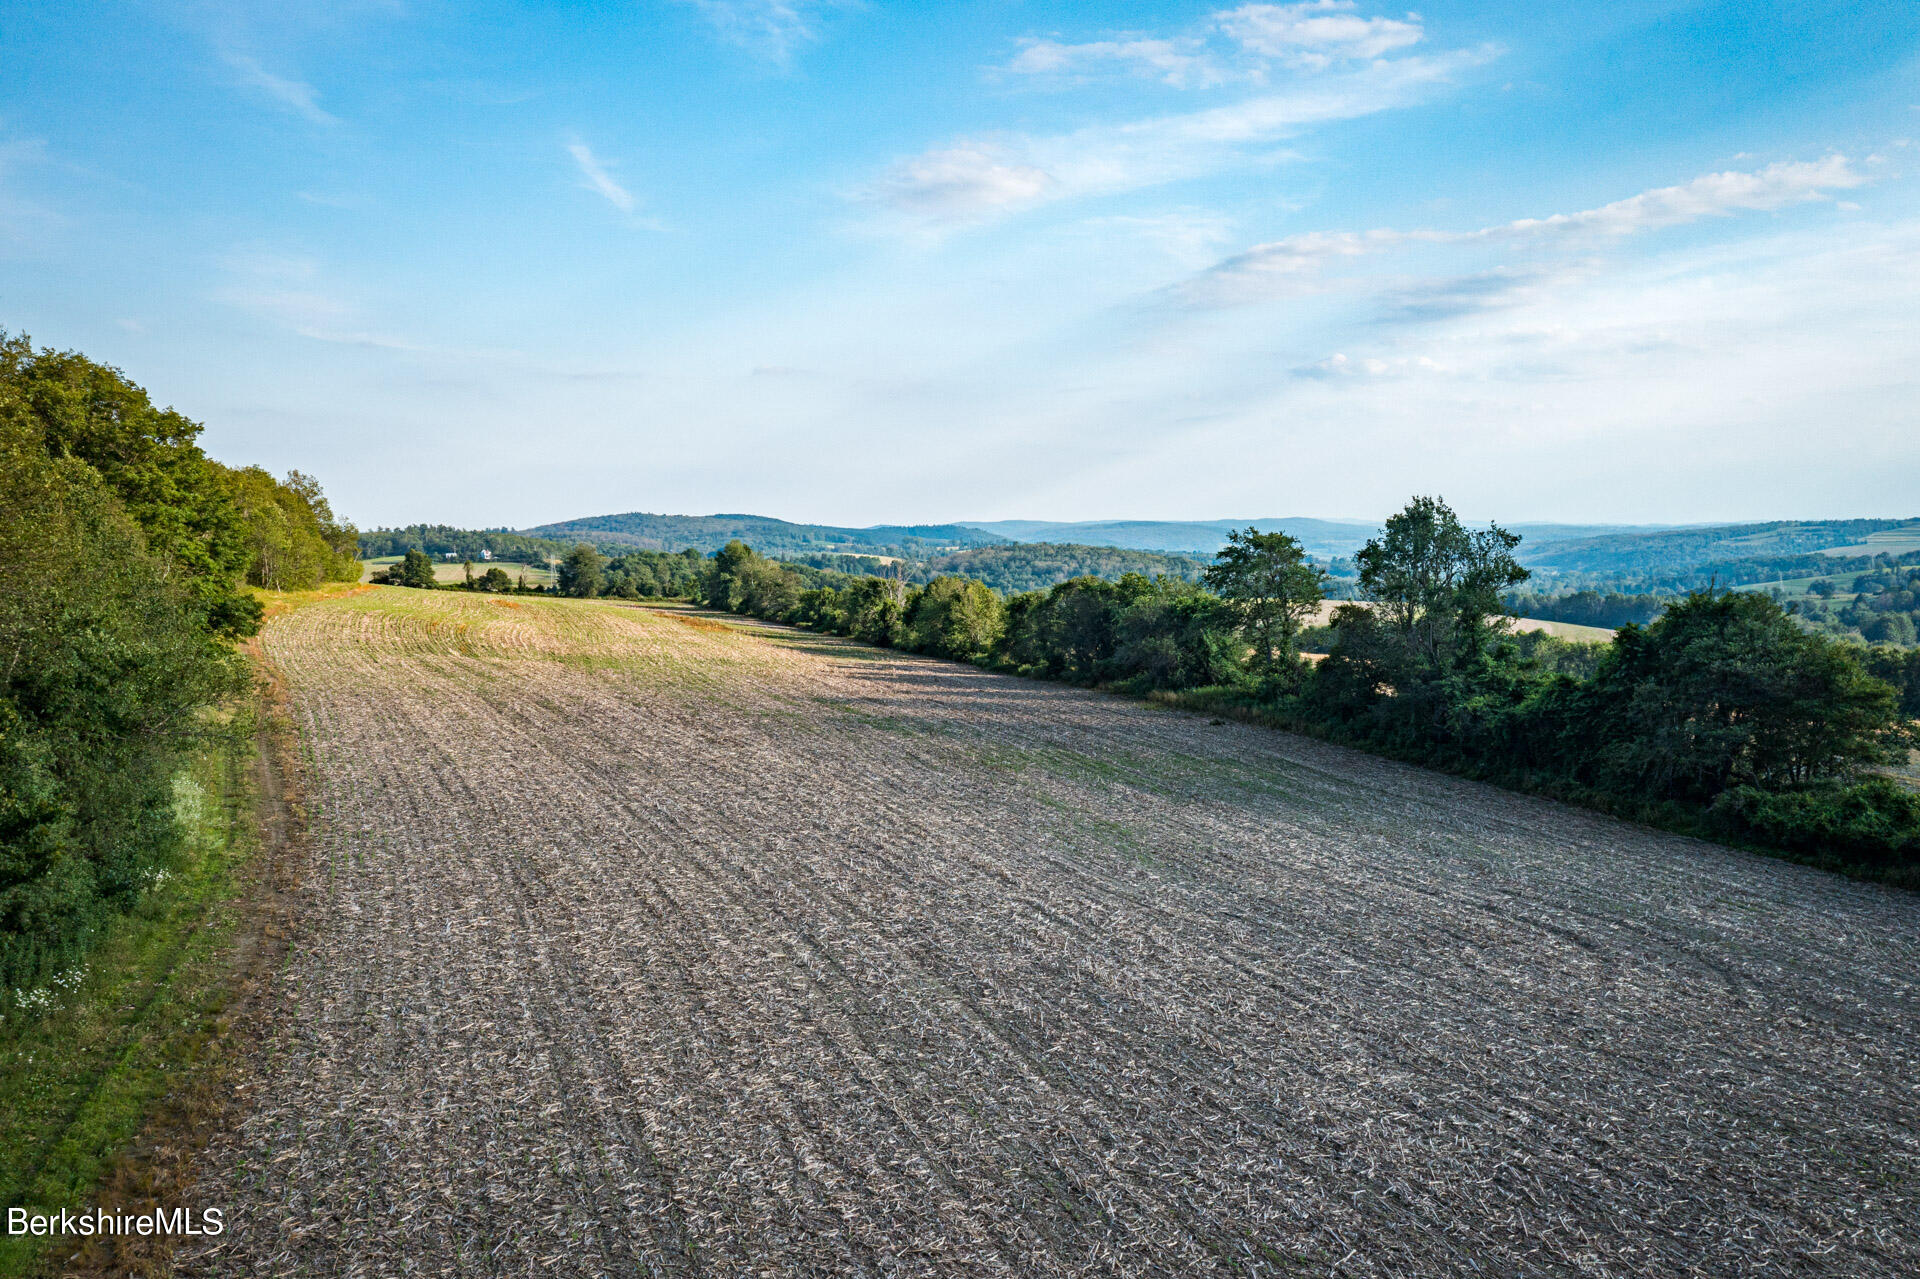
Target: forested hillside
[
  {"x": 777, "y": 537},
  {"x": 440, "y": 540},
  {"x": 1323, "y": 539},
  {"x": 1688, "y": 550},
  {"x": 128, "y": 552},
  {"x": 1027, "y": 566}
]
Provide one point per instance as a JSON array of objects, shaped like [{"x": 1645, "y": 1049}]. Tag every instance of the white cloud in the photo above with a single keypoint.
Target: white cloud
[
  {"x": 1711, "y": 195},
  {"x": 963, "y": 182},
  {"x": 1340, "y": 365},
  {"x": 1318, "y": 33},
  {"x": 769, "y": 29},
  {"x": 295, "y": 95},
  {"x": 977, "y": 178},
  {"x": 598, "y": 180},
  {"x": 1293, "y": 264},
  {"x": 1243, "y": 44},
  {"x": 1182, "y": 63}
]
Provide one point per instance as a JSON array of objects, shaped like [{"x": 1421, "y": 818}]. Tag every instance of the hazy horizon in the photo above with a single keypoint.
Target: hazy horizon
[{"x": 869, "y": 263}]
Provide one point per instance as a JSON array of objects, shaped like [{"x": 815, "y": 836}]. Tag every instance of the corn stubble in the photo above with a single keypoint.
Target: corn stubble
[{"x": 635, "y": 947}]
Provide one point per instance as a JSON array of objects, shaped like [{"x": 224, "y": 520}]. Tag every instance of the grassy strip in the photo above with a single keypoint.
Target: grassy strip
[{"x": 144, "y": 1024}]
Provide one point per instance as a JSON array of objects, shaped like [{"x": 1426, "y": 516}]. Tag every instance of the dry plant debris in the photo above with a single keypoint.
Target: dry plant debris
[{"x": 635, "y": 947}]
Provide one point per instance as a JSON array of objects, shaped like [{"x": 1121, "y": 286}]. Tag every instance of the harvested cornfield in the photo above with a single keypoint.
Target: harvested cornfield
[{"x": 644, "y": 947}]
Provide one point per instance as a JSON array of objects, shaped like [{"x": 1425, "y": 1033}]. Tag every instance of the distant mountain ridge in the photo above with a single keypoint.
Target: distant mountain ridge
[
  {"x": 1675, "y": 549},
  {"x": 1567, "y": 551},
  {"x": 765, "y": 534},
  {"x": 1326, "y": 539}
]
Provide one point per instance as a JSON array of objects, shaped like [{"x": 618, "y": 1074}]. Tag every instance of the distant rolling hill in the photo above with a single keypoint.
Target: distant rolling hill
[
  {"x": 765, "y": 534},
  {"x": 1678, "y": 549},
  {"x": 1635, "y": 557},
  {"x": 1323, "y": 538}
]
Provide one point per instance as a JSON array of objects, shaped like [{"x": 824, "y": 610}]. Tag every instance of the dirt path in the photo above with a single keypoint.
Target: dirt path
[{"x": 816, "y": 960}]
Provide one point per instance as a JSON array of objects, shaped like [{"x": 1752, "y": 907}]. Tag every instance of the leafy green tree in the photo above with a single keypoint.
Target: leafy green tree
[
  {"x": 1727, "y": 690},
  {"x": 1437, "y": 585},
  {"x": 292, "y": 542},
  {"x": 495, "y": 579},
  {"x": 1176, "y": 635},
  {"x": 956, "y": 618},
  {"x": 769, "y": 589},
  {"x": 415, "y": 570},
  {"x": 1901, "y": 669},
  {"x": 71, "y": 407},
  {"x": 873, "y": 611},
  {"x": 1272, "y": 589},
  {"x": 580, "y": 572},
  {"x": 105, "y": 662},
  {"x": 722, "y": 587}
]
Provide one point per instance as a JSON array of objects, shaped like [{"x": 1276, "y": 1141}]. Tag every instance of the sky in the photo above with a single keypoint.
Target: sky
[{"x": 864, "y": 261}]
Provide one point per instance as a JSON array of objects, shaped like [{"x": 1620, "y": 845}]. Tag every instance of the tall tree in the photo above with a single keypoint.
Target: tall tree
[
  {"x": 1725, "y": 690},
  {"x": 1273, "y": 589},
  {"x": 73, "y": 407},
  {"x": 415, "y": 570},
  {"x": 1437, "y": 585},
  {"x": 580, "y": 572}
]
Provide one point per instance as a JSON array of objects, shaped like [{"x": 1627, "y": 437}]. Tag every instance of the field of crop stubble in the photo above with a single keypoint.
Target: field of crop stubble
[{"x": 806, "y": 958}]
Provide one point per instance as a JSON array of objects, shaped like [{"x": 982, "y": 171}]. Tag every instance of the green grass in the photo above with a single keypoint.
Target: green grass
[
  {"x": 1798, "y": 586},
  {"x": 80, "y": 1080}
]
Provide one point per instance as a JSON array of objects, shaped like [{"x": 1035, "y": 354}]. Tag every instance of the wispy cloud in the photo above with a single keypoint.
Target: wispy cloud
[
  {"x": 1711, "y": 195},
  {"x": 1340, "y": 365},
  {"x": 1295, "y": 264},
  {"x": 1183, "y": 63},
  {"x": 295, "y": 95},
  {"x": 1248, "y": 43},
  {"x": 598, "y": 179},
  {"x": 974, "y": 179},
  {"x": 1318, "y": 33},
  {"x": 773, "y": 30}
]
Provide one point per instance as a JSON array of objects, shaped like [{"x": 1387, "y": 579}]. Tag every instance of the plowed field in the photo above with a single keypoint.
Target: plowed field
[{"x": 646, "y": 943}]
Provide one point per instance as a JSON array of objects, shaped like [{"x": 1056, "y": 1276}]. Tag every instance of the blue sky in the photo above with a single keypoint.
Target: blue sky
[{"x": 867, "y": 261}]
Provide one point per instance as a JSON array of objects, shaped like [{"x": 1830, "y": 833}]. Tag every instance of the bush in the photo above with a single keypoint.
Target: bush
[
  {"x": 1871, "y": 824},
  {"x": 955, "y": 618},
  {"x": 105, "y": 663}
]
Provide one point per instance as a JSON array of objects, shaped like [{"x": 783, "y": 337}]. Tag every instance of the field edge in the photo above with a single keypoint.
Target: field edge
[{"x": 173, "y": 1005}]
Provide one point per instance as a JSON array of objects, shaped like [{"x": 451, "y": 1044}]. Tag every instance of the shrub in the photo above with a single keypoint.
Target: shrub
[
  {"x": 1874, "y": 823},
  {"x": 103, "y": 665}
]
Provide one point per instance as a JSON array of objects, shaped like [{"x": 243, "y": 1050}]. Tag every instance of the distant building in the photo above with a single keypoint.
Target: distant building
[
  {"x": 453, "y": 555},
  {"x": 485, "y": 554}
]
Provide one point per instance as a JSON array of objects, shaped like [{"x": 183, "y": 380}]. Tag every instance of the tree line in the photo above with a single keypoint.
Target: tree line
[
  {"x": 1723, "y": 716},
  {"x": 462, "y": 543},
  {"x": 1589, "y": 608},
  {"x": 582, "y": 574},
  {"x": 128, "y": 554},
  {"x": 1885, "y": 606}
]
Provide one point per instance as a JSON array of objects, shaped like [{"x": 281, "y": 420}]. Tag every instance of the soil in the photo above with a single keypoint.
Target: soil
[{"x": 815, "y": 959}]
